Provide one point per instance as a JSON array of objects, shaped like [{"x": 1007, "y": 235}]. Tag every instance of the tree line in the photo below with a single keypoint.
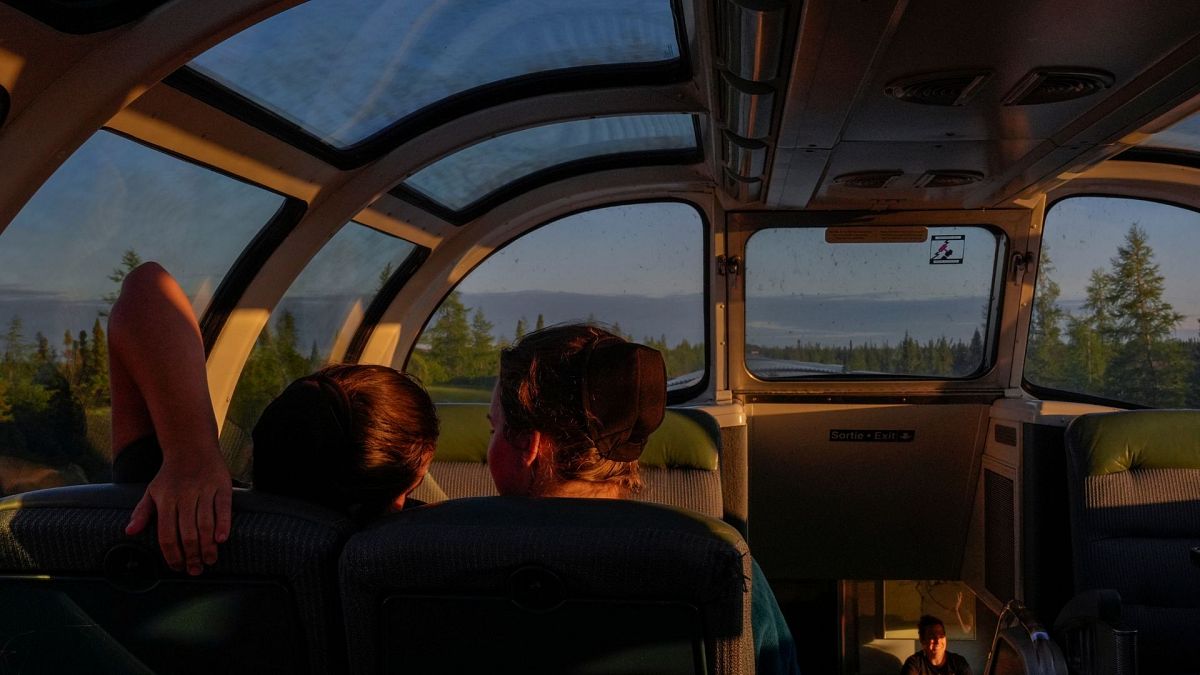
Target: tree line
[
  {"x": 937, "y": 357},
  {"x": 460, "y": 347},
  {"x": 1120, "y": 344}
]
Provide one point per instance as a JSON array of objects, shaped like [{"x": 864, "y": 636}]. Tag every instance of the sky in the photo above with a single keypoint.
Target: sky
[
  {"x": 345, "y": 69},
  {"x": 1083, "y": 233}
]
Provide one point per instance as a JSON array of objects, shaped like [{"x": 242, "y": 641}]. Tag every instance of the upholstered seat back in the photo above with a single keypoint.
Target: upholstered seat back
[
  {"x": 80, "y": 596},
  {"x": 1134, "y": 483},
  {"x": 509, "y": 584},
  {"x": 680, "y": 466}
]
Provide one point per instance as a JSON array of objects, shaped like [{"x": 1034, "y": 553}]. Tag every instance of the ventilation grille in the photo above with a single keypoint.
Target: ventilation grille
[
  {"x": 1006, "y": 435},
  {"x": 999, "y": 544},
  {"x": 946, "y": 89},
  {"x": 1055, "y": 86},
  {"x": 946, "y": 179},
  {"x": 867, "y": 180}
]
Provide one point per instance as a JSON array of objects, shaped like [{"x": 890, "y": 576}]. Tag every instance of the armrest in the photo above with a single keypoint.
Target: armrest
[
  {"x": 1088, "y": 632},
  {"x": 1099, "y": 604}
]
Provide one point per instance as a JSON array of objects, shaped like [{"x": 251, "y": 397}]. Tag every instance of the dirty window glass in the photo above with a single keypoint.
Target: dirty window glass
[
  {"x": 1117, "y": 304},
  {"x": 459, "y": 179},
  {"x": 345, "y": 69},
  {"x": 1183, "y": 135},
  {"x": 312, "y": 325},
  {"x": 820, "y": 309},
  {"x": 111, "y": 205},
  {"x": 637, "y": 269}
]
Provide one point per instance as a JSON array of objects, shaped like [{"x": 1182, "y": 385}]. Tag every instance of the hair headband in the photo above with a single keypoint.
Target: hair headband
[{"x": 624, "y": 395}]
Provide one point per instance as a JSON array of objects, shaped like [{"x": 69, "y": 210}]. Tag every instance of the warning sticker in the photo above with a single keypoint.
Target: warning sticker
[{"x": 947, "y": 249}]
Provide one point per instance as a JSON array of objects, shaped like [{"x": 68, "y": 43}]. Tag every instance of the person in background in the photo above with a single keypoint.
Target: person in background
[
  {"x": 934, "y": 659},
  {"x": 571, "y": 413}
]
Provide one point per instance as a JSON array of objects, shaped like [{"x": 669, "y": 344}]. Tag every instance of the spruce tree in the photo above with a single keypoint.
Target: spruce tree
[
  {"x": 1090, "y": 338},
  {"x": 1147, "y": 367},
  {"x": 450, "y": 338},
  {"x": 129, "y": 262},
  {"x": 1045, "y": 354},
  {"x": 483, "y": 352}
]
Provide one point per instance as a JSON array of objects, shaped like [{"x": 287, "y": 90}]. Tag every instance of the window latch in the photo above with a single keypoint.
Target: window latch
[
  {"x": 1020, "y": 263},
  {"x": 729, "y": 265}
]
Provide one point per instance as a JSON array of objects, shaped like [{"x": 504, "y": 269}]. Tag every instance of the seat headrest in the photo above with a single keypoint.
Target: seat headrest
[
  {"x": 1108, "y": 443},
  {"x": 686, "y": 439}
]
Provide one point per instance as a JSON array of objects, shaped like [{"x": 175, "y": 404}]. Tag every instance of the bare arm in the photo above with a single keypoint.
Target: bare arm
[{"x": 160, "y": 386}]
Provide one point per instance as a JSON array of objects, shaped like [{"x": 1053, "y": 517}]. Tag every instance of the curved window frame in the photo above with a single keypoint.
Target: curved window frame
[
  {"x": 84, "y": 18},
  {"x": 1050, "y": 393},
  {"x": 990, "y": 335},
  {"x": 676, "y": 396},
  {"x": 552, "y": 174},
  {"x": 207, "y": 90}
]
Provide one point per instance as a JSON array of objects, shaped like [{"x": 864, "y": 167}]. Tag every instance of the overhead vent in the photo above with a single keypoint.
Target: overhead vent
[
  {"x": 867, "y": 180},
  {"x": 948, "y": 179},
  {"x": 1053, "y": 85},
  {"x": 945, "y": 89}
]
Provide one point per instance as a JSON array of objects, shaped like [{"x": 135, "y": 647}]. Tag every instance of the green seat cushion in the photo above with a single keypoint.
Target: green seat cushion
[
  {"x": 686, "y": 439},
  {"x": 1138, "y": 439}
]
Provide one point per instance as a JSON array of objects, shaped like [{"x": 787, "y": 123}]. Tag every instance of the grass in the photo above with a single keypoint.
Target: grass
[{"x": 457, "y": 394}]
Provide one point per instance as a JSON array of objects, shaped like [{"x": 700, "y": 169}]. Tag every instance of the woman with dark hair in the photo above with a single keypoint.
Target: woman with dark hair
[
  {"x": 353, "y": 438},
  {"x": 571, "y": 413}
]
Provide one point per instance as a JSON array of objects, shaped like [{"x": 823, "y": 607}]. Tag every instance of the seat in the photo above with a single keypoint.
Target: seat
[
  {"x": 78, "y": 595},
  {"x": 680, "y": 466},
  {"x": 1134, "y": 491},
  {"x": 554, "y": 585}
]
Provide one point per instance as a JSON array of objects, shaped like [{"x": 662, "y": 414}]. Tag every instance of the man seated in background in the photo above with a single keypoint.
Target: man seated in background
[{"x": 934, "y": 659}]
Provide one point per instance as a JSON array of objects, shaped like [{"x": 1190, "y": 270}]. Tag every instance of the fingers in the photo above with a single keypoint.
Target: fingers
[
  {"x": 224, "y": 511},
  {"x": 140, "y": 516},
  {"x": 189, "y": 534},
  {"x": 205, "y": 523},
  {"x": 168, "y": 539}
]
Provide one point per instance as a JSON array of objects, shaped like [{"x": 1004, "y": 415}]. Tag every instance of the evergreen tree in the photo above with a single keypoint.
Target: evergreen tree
[
  {"x": 1045, "y": 354},
  {"x": 1090, "y": 337},
  {"x": 521, "y": 330},
  {"x": 45, "y": 354},
  {"x": 483, "y": 352},
  {"x": 910, "y": 355},
  {"x": 541, "y": 322},
  {"x": 95, "y": 391},
  {"x": 450, "y": 338},
  {"x": 292, "y": 363},
  {"x": 14, "y": 348},
  {"x": 129, "y": 262},
  {"x": 1147, "y": 367},
  {"x": 384, "y": 275}
]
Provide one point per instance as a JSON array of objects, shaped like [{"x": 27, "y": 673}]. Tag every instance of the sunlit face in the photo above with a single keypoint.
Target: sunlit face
[
  {"x": 509, "y": 472},
  {"x": 933, "y": 643}
]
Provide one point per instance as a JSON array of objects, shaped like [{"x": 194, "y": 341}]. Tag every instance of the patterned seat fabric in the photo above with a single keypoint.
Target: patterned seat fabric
[
  {"x": 1134, "y": 489},
  {"x": 507, "y": 584},
  {"x": 107, "y": 603}
]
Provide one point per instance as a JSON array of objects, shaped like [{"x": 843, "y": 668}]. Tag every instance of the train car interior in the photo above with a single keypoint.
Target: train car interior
[{"x": 919, "y": 271}]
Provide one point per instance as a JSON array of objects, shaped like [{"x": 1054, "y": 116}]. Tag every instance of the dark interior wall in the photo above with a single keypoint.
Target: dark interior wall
[
  {"x": 822, "y": 509},
  {"x": 1045, "y": 523}
]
